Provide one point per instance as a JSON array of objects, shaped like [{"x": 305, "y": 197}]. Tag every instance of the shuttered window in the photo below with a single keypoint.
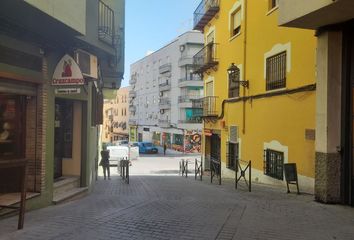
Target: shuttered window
[{"x": 236, "y": 22}]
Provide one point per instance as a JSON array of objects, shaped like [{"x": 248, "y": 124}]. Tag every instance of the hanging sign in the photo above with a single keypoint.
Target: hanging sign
[{"x": 67, "y": 72}]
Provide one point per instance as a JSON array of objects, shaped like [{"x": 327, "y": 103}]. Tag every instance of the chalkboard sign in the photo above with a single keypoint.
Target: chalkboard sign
[
  {"x": 291, "y": 175},
  {"x": 290, "y": 172}
]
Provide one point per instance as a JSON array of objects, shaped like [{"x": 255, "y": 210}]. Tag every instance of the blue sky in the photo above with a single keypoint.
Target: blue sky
[{"x": 150, "y": 24}]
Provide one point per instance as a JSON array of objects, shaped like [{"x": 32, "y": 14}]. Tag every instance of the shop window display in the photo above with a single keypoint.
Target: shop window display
[{"x": 12, "y": 126}]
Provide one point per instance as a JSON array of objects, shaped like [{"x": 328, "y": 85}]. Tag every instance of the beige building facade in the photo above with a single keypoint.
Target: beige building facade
[{"x": 116, "y": 117}]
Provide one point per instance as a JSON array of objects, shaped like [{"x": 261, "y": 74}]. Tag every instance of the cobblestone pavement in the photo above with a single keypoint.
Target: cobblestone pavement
[{"x": 174, "y": 207}]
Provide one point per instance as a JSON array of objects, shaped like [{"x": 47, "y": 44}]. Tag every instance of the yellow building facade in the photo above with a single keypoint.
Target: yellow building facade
[{"x": 264, "y": 111}]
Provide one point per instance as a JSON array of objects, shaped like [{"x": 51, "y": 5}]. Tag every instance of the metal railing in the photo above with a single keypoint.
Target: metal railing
[
  {"x": 106, "y": 28},
  {"x": 192, "y": 120},
  {"x": 215, "y": 169},
  {"x": 205, "y": 11},
  {"x": 206, "y": 58},
  {"x": 187, "y": 98},
  {"x": 243, "y": 170},
  {"x": 208, "y": 104},
  {"x": 276, "y": 71},
  {"x": 123, "y": 169},
  {"x": 198, "y": 168}
]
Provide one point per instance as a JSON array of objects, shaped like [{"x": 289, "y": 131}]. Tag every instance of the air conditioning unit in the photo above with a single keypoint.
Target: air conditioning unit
[{"x": 87, "y": 63}]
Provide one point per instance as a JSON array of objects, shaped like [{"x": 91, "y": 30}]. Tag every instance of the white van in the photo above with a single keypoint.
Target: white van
[{"x": 117, "y": 153}]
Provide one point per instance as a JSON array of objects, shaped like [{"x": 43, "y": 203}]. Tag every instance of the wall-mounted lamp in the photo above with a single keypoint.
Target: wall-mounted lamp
[{"x": 234, "y": 75}]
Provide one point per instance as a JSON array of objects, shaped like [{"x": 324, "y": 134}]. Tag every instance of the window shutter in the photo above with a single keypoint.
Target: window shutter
[
  {"x": 233, "y": 134},
  {"x": 237, "y": 19}
]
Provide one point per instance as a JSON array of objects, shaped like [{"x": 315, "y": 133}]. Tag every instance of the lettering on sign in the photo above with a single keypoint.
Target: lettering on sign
[
  {"x": 67, "y": 72},
  {"x": 67, "y": 91}
]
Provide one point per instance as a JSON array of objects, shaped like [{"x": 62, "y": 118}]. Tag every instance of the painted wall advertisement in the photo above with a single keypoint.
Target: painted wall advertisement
[{"x": 192, "y": 141}]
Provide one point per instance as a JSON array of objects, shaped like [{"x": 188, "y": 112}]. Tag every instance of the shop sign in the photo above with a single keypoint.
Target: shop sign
[
  {"x": 67, "y": 91},
  {"x": 67, "y": 72}
]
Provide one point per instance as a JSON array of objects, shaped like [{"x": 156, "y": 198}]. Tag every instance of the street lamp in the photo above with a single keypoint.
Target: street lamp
[{"x": 234, "y": 75}]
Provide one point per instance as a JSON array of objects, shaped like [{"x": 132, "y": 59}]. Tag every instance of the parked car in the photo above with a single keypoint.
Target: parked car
[
  {"x": 117, "y": 153},
  {"x": 147, "y": 147},
  {"x": 122, "y": 142}
]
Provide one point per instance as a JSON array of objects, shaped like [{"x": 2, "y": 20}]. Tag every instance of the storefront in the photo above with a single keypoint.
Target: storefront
[
  {"x": 19, "y": 132},
  {"x": 178, "y": 142}
]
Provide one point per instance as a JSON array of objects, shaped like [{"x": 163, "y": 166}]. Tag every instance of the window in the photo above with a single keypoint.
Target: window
[
  {"x": 234, "y": 86},
  {"x": 272, "y": 4},
  {"x": 232, "y": 155},
  {"x": 276, "y": 71},
  {"x": 236, "y": 22},
  {"x": 12, "y": 126},
  {"x": 273, "y": 163}
]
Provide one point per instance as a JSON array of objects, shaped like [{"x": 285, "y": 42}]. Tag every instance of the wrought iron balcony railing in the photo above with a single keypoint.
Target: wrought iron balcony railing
[
  {"x": 106, "y": 28},
  {"x": 206, "y": 10},
  {"x": 206, "y": 58},
  {"x": 208, "y": 104}
]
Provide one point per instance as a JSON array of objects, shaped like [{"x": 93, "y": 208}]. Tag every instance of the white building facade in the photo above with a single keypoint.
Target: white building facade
[{"x": 161, "y": 99}]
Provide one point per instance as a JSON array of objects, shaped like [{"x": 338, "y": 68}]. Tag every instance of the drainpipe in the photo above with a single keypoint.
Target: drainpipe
[{"x": 244, "y": 69}]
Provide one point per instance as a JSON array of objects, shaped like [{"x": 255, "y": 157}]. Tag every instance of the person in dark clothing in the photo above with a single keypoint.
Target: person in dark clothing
[
  {"x": 164, "y": 148},
  {"x": 105, "y": 162}
]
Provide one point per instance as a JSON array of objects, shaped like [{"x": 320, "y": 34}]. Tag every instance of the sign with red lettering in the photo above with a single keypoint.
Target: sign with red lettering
[{"x": 67, "y": 72}]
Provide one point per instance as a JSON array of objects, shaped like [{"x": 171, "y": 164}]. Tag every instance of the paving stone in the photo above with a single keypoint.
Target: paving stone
[{"x": 173, "y": 207}]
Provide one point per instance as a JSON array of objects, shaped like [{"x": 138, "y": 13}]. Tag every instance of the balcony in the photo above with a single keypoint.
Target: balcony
[
  {"x": 206, "y": 10},
  {"x": 132, "y": 108},
  {"x": 315, "y": 15},
  {"x": 196, "y": 81},
  {"x": 205, "y": 59},
  {"x": 133, "y": 79},
  {"x": 208, "y": 105},
  {"x": 132, "y": 94},
  {"x": 164, "y": 123},
  {"x": 106, "y": 29},
  {"x": 165, "y": 86},
  {"x": 196, "y": 120},
  {"x": 183, "y": 61},
  {"x": 132, "y": 122},
  {"x": 165, "y": 103},
  {"x": 165, "y": 68},
  {"x": 186, "y": 101}
]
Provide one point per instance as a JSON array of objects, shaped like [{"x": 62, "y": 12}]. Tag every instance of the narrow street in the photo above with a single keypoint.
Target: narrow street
[{"x": 158, "y": 204}]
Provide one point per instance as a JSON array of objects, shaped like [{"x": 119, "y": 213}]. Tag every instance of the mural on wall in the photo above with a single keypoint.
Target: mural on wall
[
  {"x": 192, "y": 141},
  {"x": 166, "y": 138},
  {"x": 177, "y": 144}
]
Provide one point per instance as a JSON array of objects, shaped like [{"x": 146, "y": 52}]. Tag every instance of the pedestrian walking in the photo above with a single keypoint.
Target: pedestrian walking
[
  {"x": 105, "y": 162},
  {"x": 164, "y": 148}
]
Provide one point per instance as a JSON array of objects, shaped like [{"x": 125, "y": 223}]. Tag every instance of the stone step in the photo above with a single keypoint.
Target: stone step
[
  {"x": 66, "y": 184},
  {"x": 70, "y": 195}
]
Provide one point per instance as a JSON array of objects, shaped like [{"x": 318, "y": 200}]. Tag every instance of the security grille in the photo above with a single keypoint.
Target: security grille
[
  {"x": 273, "y": 163},
  {"x": 276, "y": 71},
  {"x": 234, "y": 84},
  {"x": 232, "y": 154}
]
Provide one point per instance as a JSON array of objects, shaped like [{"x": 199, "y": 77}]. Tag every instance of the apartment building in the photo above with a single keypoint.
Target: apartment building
[
  {"x": 163, "y": 88},
  {"x": 57, "y": 60},
  {"x": 116, "y": 116},
  {"x": 259, "y": 82},
  {"x": 333, "y": 22}
]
